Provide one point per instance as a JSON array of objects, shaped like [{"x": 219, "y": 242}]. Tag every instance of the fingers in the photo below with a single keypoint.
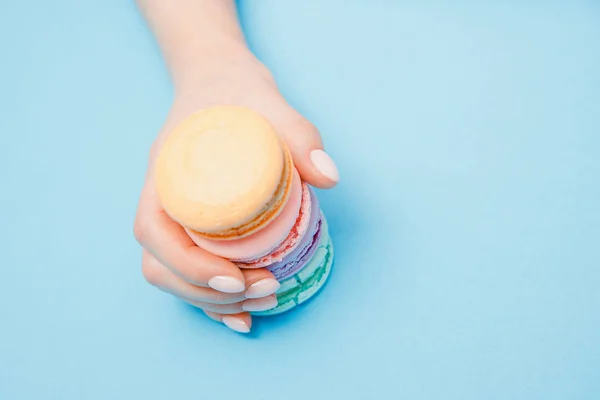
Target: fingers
[
  {"x": 304, "y": 140},
  {"x": 261, "y": 284},
  {"x": 174, "y": 264},
  {"x": 161, "y": 277},
  {"x": 229, "y": 308},
  {"x": 168, "y": 242},
  {"x": 262, "y": 304},
  {"x": 239, "y": 322}
]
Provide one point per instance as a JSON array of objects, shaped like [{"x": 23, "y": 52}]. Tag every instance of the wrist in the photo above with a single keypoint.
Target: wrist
[{"x": 217, "y": 59}]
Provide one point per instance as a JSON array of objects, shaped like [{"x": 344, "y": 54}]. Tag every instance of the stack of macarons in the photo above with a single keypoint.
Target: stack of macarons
[{"x": 226, "y": 176}]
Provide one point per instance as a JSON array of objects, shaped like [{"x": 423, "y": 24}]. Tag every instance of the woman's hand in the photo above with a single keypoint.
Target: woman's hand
[{"x": 222, "y": 72}]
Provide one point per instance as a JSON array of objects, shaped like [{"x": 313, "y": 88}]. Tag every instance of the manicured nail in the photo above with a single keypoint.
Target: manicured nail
[
  {"x": 236, "y": 324},
  {"x": 262, "y": 288},
  {"x": 262, "y": 304},
  {"x": 226, "y": 284},
  {"x": 325, "y": 165}
]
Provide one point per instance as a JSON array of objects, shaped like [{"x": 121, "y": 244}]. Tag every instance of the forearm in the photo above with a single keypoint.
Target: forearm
[{"x": 190, "y": 33}]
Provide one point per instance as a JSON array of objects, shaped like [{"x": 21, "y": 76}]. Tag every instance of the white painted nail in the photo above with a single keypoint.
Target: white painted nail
[
  {"x": 325, "y": 165},
  {"x": 226, "y": 284},
  {"x": 262, "y": 304},
  {"x": 236, "y": 324},
  {"x": 262, "y": 288}
]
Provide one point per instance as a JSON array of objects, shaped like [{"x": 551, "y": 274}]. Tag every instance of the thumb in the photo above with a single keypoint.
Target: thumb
[{"x": 312, "y": 162}]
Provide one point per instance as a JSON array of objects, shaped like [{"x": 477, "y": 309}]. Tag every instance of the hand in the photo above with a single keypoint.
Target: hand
[{"x": 171, "y": 261}]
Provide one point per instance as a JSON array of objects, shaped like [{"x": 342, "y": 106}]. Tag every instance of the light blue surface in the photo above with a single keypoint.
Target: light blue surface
[{"x": 467, "y": 226}]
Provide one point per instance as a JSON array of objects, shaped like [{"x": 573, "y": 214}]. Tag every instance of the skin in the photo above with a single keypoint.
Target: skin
[{"x": 210, "y": 64}]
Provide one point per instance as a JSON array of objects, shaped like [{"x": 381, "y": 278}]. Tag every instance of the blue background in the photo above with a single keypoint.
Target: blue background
[{"x": 467, "y": 224}]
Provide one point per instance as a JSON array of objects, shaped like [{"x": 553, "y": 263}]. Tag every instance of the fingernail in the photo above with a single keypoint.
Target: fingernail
[
  {"x": 325, "y": 165},
  {"x": 226, "y": 284},
  {"x": 236, "y": 324},
  {"x": 262, "y": 304},
  {"x": 262, "y": 288}
]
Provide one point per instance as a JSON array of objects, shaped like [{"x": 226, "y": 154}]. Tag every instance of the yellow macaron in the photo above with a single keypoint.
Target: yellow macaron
[{"x": 224, "y": 173}]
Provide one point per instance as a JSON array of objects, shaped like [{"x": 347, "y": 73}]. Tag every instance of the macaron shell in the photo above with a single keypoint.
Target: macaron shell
[
  {"x": 306, "y": 221},
  {"x": 270, "y": 211},
  {"x": 308, "y": 281},
  {"x": 263, "y": 241},
  {"x": 303, "y": 291},
  {"x": 306, "y": 246},
  {"x": 219, "y": 168},
  {"x": 295, "y": 262}
]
